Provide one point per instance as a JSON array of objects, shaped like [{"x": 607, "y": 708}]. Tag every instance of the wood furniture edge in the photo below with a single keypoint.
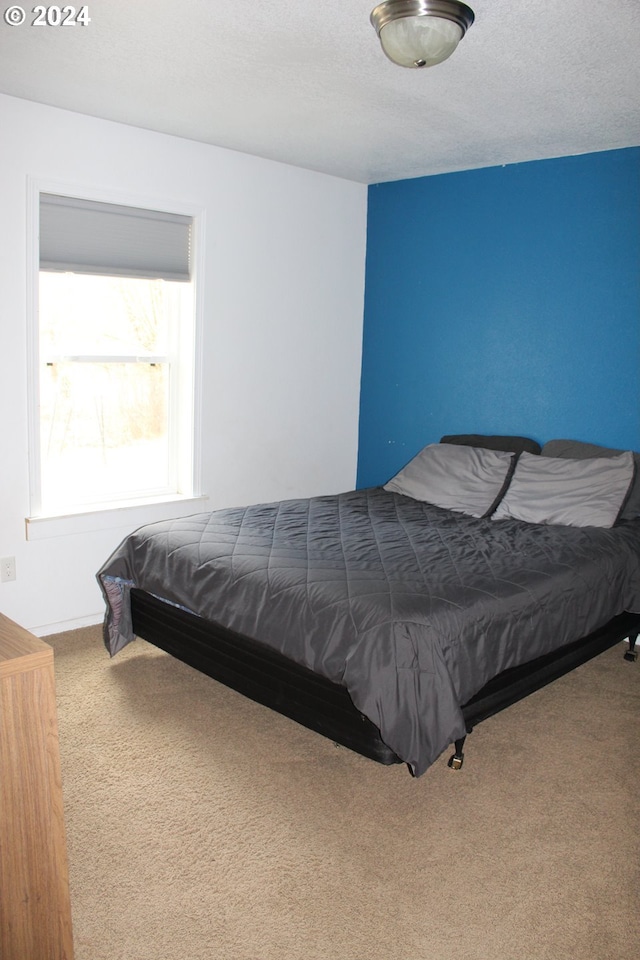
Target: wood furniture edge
[{"x": 34, "y": 875}]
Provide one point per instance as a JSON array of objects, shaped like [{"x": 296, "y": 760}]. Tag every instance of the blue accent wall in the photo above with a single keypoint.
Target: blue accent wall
[{"x": 502, "y": 300}]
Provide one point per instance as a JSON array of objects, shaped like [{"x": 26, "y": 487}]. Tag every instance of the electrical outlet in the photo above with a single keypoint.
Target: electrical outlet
[{"x": 7, "y": 569}]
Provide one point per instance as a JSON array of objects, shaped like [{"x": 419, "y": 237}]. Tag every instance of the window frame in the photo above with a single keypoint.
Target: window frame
[{"x": 100, "y": 515}]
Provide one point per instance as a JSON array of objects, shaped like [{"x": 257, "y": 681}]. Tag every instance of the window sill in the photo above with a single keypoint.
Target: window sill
[{"x": 126, "y": 515}]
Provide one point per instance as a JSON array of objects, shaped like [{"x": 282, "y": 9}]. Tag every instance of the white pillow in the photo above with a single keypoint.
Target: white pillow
[
  {"x": 466, "y": 479},
  {"x": 574, "y": 493}
]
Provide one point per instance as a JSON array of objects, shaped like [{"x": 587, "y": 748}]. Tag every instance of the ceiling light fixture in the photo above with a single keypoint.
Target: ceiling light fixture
[{"x": 421, "y": 33}]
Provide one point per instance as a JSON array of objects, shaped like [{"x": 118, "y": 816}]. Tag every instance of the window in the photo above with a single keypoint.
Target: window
[{"x": 115, "y": 356}]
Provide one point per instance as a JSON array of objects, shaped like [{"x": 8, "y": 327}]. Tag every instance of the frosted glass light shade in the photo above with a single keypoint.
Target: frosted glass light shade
[
  {"x": 420, "y": 41},
  {"x": 420, "y": 33}
]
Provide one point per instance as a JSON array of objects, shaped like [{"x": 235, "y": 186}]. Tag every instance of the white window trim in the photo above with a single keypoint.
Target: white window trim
[
  {"x": 126, "y": 515},
  {"x": 102, "y": 516}
]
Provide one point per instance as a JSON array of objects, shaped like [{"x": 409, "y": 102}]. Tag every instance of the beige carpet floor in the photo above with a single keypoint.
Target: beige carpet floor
[{"x": 202, "y": 826}]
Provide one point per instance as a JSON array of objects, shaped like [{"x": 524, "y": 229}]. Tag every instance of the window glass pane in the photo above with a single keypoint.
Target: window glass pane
[
  {"x": 104, "y": 430},
  {"x": 85, "y": 314},
  {"x": 113, "y": 387}
]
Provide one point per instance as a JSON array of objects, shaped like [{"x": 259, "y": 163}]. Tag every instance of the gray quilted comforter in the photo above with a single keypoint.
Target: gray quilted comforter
[{"x": 413, "y": 608}]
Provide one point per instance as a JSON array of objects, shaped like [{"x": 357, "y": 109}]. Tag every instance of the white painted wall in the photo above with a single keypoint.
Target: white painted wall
[{"x": 283, "y": 304}]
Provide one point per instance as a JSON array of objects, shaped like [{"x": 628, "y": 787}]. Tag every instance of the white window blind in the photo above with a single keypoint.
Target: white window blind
[{"x": 84, "y": 236}]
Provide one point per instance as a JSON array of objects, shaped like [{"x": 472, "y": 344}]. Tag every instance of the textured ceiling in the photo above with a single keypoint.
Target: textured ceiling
[{"x": 305, "y": 81}]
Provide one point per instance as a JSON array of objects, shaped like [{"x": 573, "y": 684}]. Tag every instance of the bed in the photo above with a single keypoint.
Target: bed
[{"x": 394, "y": 619}]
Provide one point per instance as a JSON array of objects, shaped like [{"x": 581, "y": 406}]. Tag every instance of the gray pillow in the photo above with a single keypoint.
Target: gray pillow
[
  {"x": 574, "y": 493},
  {"x": 464, "y": 479},
  {"x": 576, "y": 450}
]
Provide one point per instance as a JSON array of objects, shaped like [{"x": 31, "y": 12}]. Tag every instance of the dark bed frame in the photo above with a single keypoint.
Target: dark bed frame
[{"x": 270, "y": 678}]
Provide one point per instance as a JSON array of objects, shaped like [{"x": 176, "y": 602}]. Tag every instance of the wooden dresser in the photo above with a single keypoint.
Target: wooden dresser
[{"x": 35, "y": 911}]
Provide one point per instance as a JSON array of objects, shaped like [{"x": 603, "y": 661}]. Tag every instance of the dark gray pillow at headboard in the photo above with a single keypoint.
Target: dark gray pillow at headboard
[
  {"x": 509, "y": 444},
  {"x": 577, "y": 450}
]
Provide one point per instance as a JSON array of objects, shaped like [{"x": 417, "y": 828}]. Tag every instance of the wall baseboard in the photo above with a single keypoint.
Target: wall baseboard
[{"x": 51, "y": 628}]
